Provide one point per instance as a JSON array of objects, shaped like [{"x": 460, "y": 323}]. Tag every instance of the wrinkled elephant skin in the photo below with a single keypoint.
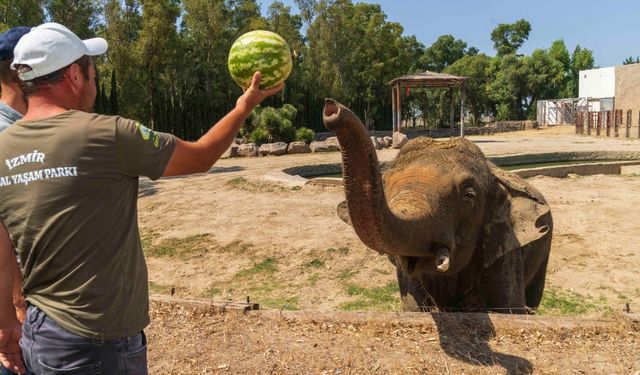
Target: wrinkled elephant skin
[{"x": 463, "y": 234}]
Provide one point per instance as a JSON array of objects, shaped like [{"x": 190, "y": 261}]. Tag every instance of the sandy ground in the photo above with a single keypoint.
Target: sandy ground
[{"x": 229, "y": 234}]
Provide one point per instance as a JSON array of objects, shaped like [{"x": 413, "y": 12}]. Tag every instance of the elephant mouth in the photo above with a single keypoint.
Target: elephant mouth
[{"x": 438, "y": 263}]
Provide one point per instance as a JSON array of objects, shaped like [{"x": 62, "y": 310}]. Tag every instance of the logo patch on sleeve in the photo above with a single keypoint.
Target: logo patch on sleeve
[{"x": 144, "y": 131}]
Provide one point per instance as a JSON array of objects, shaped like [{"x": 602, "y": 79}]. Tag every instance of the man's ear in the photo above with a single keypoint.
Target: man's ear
[{"x": 75, "y": 78}]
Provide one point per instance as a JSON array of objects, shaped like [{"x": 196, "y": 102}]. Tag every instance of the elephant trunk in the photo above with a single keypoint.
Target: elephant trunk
[{"x": 374, "y": 222}]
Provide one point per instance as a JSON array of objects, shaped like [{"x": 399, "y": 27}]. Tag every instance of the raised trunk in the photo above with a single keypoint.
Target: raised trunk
[{"x": 374, "y": 222}]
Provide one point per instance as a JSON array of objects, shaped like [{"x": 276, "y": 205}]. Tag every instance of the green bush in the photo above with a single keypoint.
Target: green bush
[
  {"x": 305, "y": 134},
  {"x": 289, "y": 112},
  {"x": 259, "y": 136},
  {"x": 268, "y": 125}
]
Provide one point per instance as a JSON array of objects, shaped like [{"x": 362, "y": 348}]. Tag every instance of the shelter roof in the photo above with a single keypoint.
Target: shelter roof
[{"x": 429, "y": 79}]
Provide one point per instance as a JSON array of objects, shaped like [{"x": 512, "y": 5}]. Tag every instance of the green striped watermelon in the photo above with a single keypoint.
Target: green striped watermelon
[{"x": 262, "y": 51}]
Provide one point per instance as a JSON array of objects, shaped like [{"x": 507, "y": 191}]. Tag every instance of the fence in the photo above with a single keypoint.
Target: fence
[{"x": 608, "y": 123}]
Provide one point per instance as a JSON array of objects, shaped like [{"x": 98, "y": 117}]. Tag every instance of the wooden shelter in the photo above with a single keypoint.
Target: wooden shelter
[{"x": 426, "y": 80}]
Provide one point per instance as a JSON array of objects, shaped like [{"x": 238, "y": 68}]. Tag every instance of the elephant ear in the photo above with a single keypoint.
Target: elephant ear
[
  {"x": 519, "y": 216},
  {"x": 343, "y": 212}
]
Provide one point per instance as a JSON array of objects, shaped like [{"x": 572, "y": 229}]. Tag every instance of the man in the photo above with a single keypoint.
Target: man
[
  {"x": 12, "y": 106},
  {"x": 12, "y": 102},
  {"x": 68, "y": 195}
]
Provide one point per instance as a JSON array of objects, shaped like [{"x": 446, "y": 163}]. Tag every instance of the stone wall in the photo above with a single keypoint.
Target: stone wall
[
  {"x": 493, "y": 128},
  {"x": 628, "y": 96}
]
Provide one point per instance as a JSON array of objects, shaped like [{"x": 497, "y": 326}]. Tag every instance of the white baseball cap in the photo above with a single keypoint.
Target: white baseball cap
[{"x": 50, "y": 47}]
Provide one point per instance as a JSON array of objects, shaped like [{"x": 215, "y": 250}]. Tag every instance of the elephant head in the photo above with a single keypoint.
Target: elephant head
[{"x": 439, "y": 205}]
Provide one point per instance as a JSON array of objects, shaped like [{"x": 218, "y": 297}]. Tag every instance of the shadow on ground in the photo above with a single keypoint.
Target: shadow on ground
[{"x": 466, "y": 338}]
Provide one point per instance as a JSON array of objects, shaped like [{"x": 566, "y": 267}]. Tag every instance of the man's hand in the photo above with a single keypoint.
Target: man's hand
[
  {"x": 254, "y": 96},
  {"x": 10, "y": 356}
]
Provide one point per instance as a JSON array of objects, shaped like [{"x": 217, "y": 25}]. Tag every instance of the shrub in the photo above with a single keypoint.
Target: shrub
[
  {"x": 268, "y": 125},
  {"x": 305, "y": 134}
]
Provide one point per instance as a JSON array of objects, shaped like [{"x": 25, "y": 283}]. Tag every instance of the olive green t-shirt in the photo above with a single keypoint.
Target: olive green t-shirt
[{"x": 68, "y": 198}]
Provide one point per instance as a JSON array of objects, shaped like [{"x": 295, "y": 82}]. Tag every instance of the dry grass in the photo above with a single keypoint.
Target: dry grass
[{"x": 204, "y": 342}]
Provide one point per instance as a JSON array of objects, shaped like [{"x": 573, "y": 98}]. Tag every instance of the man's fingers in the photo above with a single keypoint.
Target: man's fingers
[
  {"x": 255, "y": 82},
  {"x": 274, "y": 90},
  {"x": 13, "y": 361}
]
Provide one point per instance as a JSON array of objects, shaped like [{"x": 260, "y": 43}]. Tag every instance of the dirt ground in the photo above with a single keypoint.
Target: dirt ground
[{"x": 231, "y": 235}]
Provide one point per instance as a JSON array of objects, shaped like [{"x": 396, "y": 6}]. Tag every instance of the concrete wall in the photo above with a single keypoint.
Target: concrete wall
[
  {"x": 628, "y": 94},
  {"x": 598, "y": 83}
]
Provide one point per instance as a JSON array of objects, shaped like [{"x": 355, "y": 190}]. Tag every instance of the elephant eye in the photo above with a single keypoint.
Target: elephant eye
[{"x": 470, "y": 193}]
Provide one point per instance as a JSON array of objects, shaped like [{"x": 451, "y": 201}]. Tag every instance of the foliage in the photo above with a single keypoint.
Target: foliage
[
  {"x": 508, "y": 38},
  {"x": 167, "y": 63},
  {"x": 631, "y": 60},
  {"x": 268, "y": 125},
  {"x": 305, "y": 134}
]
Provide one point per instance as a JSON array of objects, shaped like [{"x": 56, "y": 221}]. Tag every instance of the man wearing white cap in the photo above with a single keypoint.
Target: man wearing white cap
[{"x": 68, "y": 195}]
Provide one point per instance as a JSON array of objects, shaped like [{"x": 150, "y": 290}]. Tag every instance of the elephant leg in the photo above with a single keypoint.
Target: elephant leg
[
  {"x": 536, "y": 287},
  {"x": 413, "y": 293},
  {"x": 504, "y": 284}
]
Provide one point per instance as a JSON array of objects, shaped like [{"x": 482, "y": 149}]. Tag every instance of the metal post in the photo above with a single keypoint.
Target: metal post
[{"x": 462, "y": 111}]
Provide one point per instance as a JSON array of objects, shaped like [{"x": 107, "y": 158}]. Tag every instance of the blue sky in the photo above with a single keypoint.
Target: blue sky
[{"x": 611, "y": 29}]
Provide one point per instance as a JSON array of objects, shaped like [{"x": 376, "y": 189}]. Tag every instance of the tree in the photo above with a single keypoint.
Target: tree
[
  {"x": 581, "y": 59},
  {"x": 508, "y": 86},
  {"x": 80, "y": 16},
  {"x": 443, "y": 52},
  {"x": 545, "y": 79},
  {"x": 353, "y": 53},
  {"x": 474, "y": 67},
  {"x": 121, "y": 29},
  {"x": 558, "y": 52},
  {"x": 158, "y": 50},
  {"x": 631, "y": 60},
  {"x": 20, "y": 13},
  {"x": 508, "y": 38}
]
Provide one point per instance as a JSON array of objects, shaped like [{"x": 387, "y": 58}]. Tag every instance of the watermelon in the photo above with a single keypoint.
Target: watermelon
[{"x": 262, "y": 51}]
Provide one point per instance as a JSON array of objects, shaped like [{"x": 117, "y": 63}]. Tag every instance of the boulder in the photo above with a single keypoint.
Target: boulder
[
  {"x": 276, "y": 149},
  {"x": 232, "y": 151},
  {"x": 376, "y": 145},
  {"x": 248, "y": 149},
  {"x": 399, "y": 140},
  {"x": 388, "y": 141},
  {"x": 298, "y": 147},
  {"x": 319, "y": 146},
  {"x": 332, "y": 143}
]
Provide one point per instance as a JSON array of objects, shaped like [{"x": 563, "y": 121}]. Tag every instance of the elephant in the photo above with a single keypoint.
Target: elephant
[{"x": 462, "y": 233}]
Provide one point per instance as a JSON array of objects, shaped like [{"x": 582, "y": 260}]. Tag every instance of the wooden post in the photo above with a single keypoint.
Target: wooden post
[
  {"x": 462, "y": 110},
  {"x": 399, "y": 108},
  {"x": 393, "y": 108},
  {"x": 451, "y": 114}
]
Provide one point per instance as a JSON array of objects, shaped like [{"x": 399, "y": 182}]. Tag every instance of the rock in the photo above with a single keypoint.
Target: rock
[
  {"x": 232, "y": 151},
  {"x": 376, "y": 145},
  {"x": 332, "y": 143},
  {"x": 380, "y": 141},
  {"x": 399, "y": 140},
  {"x": 275, "y": 149},
  {"x": 388, "y": 141},
  {"x": 248, "y": 149},
  {"x": 319, "y": 146},
  {"x": 298, "y": 147}
]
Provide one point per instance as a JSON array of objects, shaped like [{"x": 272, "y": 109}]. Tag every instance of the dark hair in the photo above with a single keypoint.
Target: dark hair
[
  {"x": 8, "y": 75},
  {"x": 32, "y": 86}
]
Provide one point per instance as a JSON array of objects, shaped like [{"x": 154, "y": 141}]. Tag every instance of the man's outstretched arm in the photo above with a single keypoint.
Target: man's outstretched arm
[
  {"x": 10, "y": 327},
  {"x": 199, "y": 156}
]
